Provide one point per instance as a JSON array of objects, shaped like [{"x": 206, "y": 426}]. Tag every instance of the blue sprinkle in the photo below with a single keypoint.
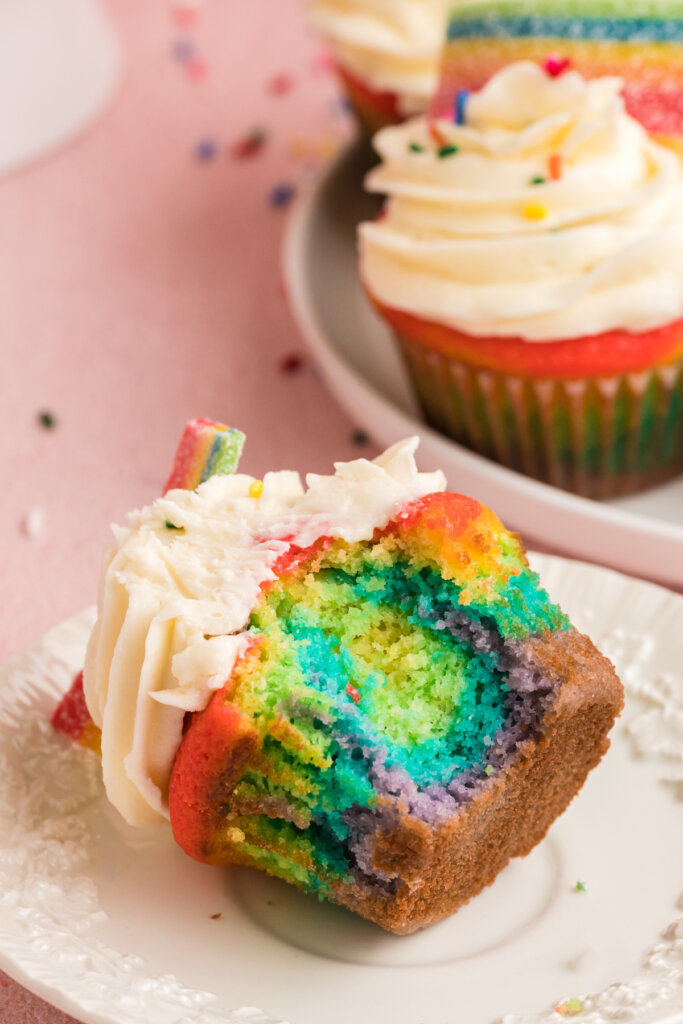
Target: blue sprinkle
[
  {"x": 281, "y": 195},
  {"x": 460, "y": 105},
  {"x": 184, "y": 49},
  {"x": 340, "y": 106},
  {"x": 205, "y": 150}
]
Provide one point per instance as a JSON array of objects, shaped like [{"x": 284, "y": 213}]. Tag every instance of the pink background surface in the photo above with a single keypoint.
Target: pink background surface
[{"x": 140, "y": 287}]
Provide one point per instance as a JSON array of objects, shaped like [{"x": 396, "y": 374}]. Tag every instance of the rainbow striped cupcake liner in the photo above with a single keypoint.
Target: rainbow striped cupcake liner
[{"x": 598, "y": 437}]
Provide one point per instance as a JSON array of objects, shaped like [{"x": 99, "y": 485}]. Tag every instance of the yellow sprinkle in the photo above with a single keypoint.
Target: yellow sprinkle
[
  {"x": 256, "y": 489},
  {"x": 534, "y": 211},
  {"x": 236, "y": 835}
]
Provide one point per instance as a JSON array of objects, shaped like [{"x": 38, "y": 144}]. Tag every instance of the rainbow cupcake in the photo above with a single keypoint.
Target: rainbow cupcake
[
  {"x": 387, "y": 55},
  {"x": 529, "y": 260},
  {"x": 359, "y": 686},
  {"x": 640, "y": 41}
]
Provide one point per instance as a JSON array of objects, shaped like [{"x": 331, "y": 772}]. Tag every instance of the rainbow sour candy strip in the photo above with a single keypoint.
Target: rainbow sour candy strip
[
  {"x": 640, "y": 41},
  {"x": 206, "y": 449}
]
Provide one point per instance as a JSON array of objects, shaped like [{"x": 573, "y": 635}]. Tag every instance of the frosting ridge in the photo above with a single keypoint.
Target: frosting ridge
[
  {"x": 177, "y": 589},
  {"x": 482, "y": 232},
  {"x": 392, "y": 44}
]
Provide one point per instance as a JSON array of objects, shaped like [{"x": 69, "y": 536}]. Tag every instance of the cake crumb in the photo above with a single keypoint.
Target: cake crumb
[
  {"x": 569, "y": 1008},
  {"x": 214, "y": 917}
]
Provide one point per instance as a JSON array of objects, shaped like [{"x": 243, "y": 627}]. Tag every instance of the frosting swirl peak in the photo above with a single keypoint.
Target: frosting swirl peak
[{"x": 548, "y": 214}]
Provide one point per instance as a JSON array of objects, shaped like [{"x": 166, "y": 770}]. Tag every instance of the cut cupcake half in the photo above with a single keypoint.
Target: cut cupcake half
[{"x": 411, "y": 713}]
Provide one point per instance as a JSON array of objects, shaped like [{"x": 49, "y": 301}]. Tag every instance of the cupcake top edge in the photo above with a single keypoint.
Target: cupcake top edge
[{"x": 541, "y": 210}]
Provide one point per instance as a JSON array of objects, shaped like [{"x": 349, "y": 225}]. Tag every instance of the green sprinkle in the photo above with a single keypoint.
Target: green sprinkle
[
  {"x": 172, "y": 526},
  {"x": 580, "y": 886},
  {"x": 488, "y": 770},
  {"x": 415, "y": 147},
  {"x": 538, "y": 180},
  {"x": 447, "y": 151},
  {"x": 47, "y": 420}
]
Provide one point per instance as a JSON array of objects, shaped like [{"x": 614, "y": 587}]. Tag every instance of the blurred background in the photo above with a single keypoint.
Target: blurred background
[{"x": 140, "y": 279}]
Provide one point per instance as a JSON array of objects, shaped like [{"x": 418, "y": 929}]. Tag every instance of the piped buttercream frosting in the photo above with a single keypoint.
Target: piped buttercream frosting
[
  {"x": 393, "y": 45},
  {"x": 178, "y": 586},
  {"x": 549, "y": 213}
]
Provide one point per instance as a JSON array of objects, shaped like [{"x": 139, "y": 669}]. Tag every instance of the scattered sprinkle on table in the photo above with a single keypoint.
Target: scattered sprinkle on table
[
  {"x": 185, "y": 15},
  {"x": 340, "y": 106},
  {"x": 359, "y": 437},
  {"x": 215, "y": 917},
  {"x": 538, "y": 179},
  {"x": 449, "y": 150},
  {"x": 281, "y": 195},
  {"x": 280, "y": 84},
  {"x": 206, "y": 150},
  {"x": 196, "y": 69},
  {"x": 184, "y": 48},
  {"x": 47, "y": 419},
  {"x": 580, "y": 887},
  {"x": 322, "y": 62},
  {"x": 249, "y": 145},
  {"x": 291, "y": 363}
]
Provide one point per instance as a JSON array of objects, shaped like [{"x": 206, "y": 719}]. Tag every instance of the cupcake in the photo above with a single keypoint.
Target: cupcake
[
  {"x": 639, "y": 41},
  {"x": 358, "y": 686},
  {"x": 529, "y": 259},
  {"x": 386, "y": 53}
]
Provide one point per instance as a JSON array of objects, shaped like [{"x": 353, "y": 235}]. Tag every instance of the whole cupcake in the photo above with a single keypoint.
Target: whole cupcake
[
  {"x": 387, "y": 53},
  {"x": 530, "y": 261}
]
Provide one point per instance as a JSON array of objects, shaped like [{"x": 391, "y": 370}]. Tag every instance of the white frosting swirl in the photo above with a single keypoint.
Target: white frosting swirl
[
  {"x": 468, "y": 241},
  {"x": 174, "y": 603},
  {"x": 393, "y": 45}
]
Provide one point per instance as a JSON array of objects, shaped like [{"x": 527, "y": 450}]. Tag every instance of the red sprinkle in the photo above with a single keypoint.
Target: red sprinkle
[
  {"x": 555, "y": 166},
  {"x": 322, "y": 62},
  {"x": 280, "y": 84},
  {"x": 196, "y": 69},
  {"x": 556, "y": 65},
  {"x": 185, "y": 15},
  {"x": 249, "y": 146},
  {"x": 291, "y": 363},
  {"x": 438, "y": 136},
  {"x": 352, "y": 692}
]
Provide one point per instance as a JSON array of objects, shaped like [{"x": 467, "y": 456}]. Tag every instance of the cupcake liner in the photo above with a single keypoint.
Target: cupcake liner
[{"x": 598, "y": 437}]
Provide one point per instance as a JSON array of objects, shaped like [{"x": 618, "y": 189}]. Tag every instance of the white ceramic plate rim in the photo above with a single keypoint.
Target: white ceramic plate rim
[{"x": 66, "y": 962}]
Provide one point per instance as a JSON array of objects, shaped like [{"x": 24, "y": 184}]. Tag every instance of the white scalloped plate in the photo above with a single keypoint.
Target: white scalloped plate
[
  {"x": 117, "y": 926},
  {"x": 641, "y": 534}
]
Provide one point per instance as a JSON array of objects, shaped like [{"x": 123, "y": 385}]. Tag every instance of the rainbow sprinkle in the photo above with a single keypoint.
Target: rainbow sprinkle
[
  {"x": 256, "y": 489},
  {"x": 556, "y": 66},
  {"x": 206, "y": 449},
  {"x": 535, "y": 211},
  {"x": 555, "y": 166},
  {"x": 460, "y": 106}
]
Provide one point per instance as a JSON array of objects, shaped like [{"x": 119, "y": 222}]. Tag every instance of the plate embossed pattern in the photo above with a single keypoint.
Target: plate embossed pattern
[{"x": 53, "y": 814}]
